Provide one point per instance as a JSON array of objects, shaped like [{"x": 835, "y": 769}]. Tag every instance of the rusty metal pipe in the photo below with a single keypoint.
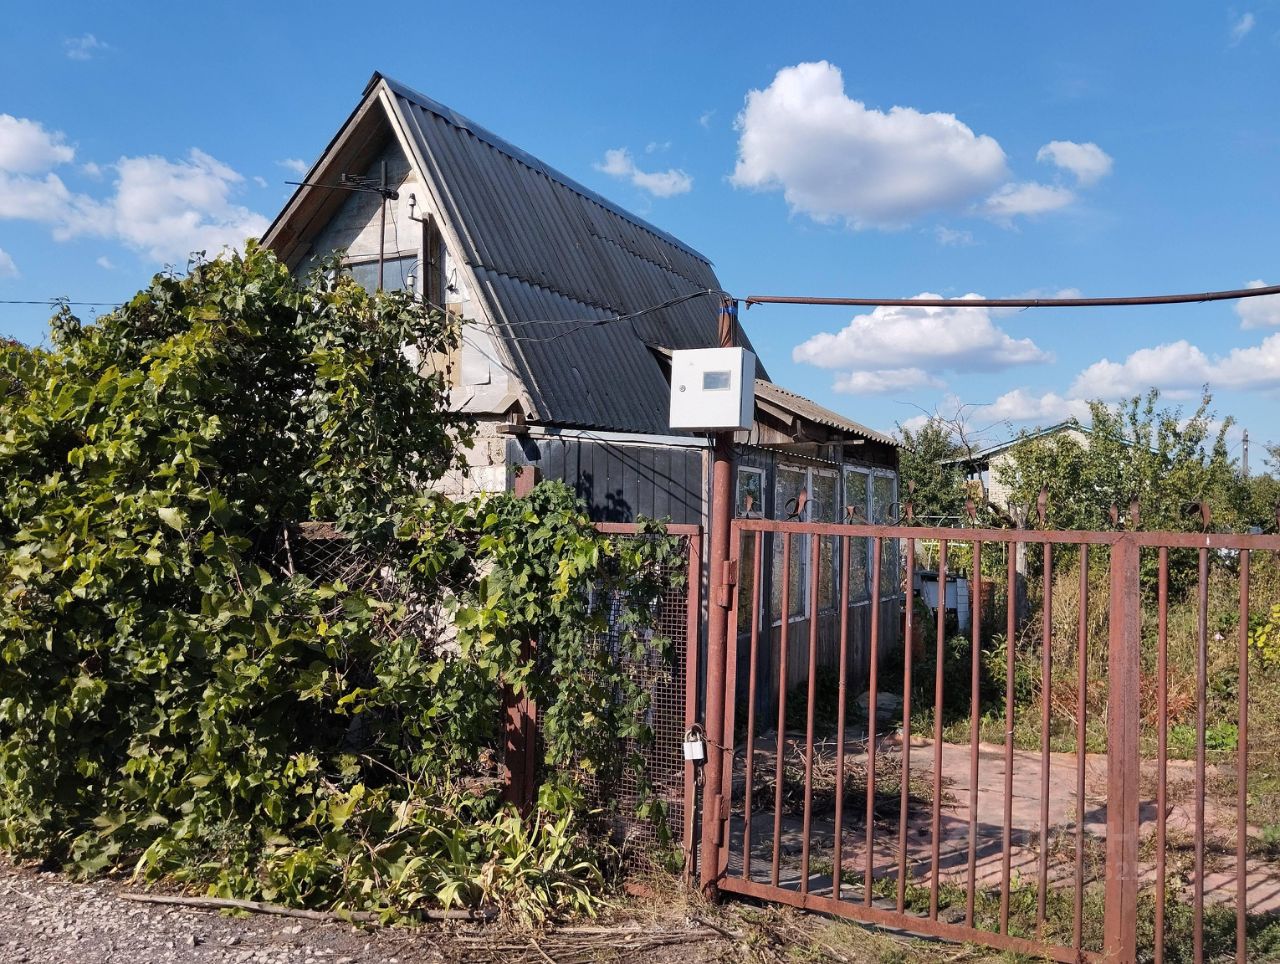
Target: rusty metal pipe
[
  {"x": 757, "y": 554},
  {"x": 715, "y": 810},
  {"x": 936, "y": 825},
  {"x": 1242, "y": 769},
  {"x": 837, "y": 858},
  {"x": 904, "y": 808},
  {"x": 1115, "y": 302},
  {"x": 872, "y": 696}
]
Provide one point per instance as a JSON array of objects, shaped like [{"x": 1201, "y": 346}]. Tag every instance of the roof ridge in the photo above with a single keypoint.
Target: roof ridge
[{"x": 501, "y": 144}]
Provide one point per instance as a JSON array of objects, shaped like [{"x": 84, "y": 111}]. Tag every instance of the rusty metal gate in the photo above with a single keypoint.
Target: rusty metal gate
[{"x": 1032, "y": 756}]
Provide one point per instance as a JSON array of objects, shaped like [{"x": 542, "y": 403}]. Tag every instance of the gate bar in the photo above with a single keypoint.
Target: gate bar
[
  {"x": 939, "y": 662},
  {"x": 837, "y": 857},
  {"x": 782, "y": 706},
  {"x": 908, "y": 645},
  {"x": 1242, "y": 767},
  {"x": 872, "y": 712},
  {"x": 756, "y": 615},
  {"x": 1120, "y": 935},
  {"x": 805, "y": 845}
]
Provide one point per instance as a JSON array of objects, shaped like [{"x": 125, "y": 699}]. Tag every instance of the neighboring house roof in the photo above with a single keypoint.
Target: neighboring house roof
[
  {"x": 991, "y": 451},
  {"x": 802, "y": 407}
]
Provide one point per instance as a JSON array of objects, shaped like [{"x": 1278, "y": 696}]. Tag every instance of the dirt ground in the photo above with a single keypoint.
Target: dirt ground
[{"x": 47, "y": 919}]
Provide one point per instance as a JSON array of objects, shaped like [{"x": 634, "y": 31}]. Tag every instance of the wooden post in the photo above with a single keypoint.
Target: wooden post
[{"x": 519, "y": 713}]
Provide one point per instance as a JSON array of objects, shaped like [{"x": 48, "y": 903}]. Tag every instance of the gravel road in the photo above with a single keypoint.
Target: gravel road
[{"x": 46, "y": 919}]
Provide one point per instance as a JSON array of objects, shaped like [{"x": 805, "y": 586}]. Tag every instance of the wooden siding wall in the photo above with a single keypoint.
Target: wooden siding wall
[
  {"x": 621, "y": 481},
  {"x": 859, "y": 654}
]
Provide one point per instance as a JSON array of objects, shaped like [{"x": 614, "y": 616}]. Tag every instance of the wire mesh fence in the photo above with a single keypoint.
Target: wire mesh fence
[{"x": 643, "y": 805}]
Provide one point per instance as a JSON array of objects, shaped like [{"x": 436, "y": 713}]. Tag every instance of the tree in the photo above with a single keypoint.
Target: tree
[
  {"x": 175, "y": 699},
  {"x": 927, "y": 460},
  {"x": 1139, "y": 450}
]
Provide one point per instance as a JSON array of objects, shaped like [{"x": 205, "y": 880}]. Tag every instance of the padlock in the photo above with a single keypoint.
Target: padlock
[{"x": 695, "y": 748}]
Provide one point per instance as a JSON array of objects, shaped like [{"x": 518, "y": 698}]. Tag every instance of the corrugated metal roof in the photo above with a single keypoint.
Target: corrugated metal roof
[
  {"x": 546, "y": 250},
  {"x": 803, "y": 407}
]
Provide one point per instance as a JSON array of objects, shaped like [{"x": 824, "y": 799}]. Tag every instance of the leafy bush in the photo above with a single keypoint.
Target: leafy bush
[{"x": 173, "y": 699}]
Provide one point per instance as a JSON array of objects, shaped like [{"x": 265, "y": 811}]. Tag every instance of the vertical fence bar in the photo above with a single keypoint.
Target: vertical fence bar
[
  {"x": 1124, "y": 683},
  {"x": 1242, "y": 769},
  {"x": 815, "y": 543},
  {"x": 756, "y": 616},
  {"x": 837, "y": 857},
  {"x": 782, "y": 706},
  {"x": 975, "y": 712},
  {"x": 908, "y": 646},
  {"x": 1046, "y": 694},
  {"x": 1082, "y": 673},
  {"x": 729, "y": 702},
  {"x": 1202, "y": 681},
  {"x": 1162, "y": 743},
  {"x": 1010, "y": 646},
  {"x": 693, "y": 627},
  {"x": 939, "y": 661},
  {"x": 872, "y": 712}
]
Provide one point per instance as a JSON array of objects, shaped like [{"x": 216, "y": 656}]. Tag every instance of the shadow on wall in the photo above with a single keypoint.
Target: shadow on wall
[{"x": 607, "y": 506}]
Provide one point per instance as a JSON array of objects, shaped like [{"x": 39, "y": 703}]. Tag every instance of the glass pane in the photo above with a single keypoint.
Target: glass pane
[
  {"x": 856, "y": 495},
  {"x": 857, "y": 484},
  {"x": 750, "y": 493},
  {"x": 823, "y": 508},
  {"x": 396, "y": 273},
  {"x": 747, "y": 581},
  {"x": 790, "y": 483},
  {"x": 884, "y": 512}
]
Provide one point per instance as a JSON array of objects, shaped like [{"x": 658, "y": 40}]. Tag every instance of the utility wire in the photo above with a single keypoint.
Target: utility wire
[
  {"x": 586, "y": 323},
  {"x": 1181, "y": 299},
  {"x": 51, "y": 302}
]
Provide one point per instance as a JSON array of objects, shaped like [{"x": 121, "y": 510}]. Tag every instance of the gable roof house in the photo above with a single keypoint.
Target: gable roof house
[{"x": 532, "y": 259}]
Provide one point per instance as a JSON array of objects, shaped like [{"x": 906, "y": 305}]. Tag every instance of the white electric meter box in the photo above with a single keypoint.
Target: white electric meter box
[{"x": 713, "y": 389}]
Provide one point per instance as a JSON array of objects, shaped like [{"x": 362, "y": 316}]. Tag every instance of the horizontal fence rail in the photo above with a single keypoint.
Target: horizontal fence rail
[{"x": 1039, "y": 741}]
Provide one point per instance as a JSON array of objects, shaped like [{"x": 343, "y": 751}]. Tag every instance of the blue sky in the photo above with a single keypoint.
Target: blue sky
[{"x": 828, "y": 149}]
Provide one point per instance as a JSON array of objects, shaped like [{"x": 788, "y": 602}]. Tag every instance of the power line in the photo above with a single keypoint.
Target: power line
[
  {"x": 1180, "y": 299},
  {"x": 53, "y": 302}
]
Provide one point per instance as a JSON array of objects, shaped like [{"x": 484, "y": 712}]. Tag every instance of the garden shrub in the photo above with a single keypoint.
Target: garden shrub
[{"x": 172, "y": 700}]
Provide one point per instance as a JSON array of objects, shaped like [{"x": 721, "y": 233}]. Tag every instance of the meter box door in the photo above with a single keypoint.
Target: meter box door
[{"x": 713, "y": 389}]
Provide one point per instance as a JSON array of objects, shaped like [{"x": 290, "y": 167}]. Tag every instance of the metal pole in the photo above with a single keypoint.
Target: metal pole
[
  {"x": 382, "y": 223},
  {"x": 715, "y": 805}
]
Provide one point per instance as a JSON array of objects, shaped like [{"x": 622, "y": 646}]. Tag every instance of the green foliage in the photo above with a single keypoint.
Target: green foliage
[
  {"x": 173, "y": 699},
  {"x": 1134, "y": 450},
  {"x": 1264, "y": 636},
  {"x": 925, "y": 459}
]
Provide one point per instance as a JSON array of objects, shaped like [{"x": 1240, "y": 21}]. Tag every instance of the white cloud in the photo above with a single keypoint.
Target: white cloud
[
  {"x": 1241, "y": 26},
  {"x": 619, "y": 163},
  {"x": 1173, "y": 367},
  {"x": 950, "y": 237},
  {"x": 295, "y": 165},
  {"x": 890, "y": 348},
  {"x": 1021, "y": 405},
  {"x": 90, "y": 169},
  {"x": 1027, "y": 198},
  {"x": 260, "y": 181},
  {"x": 168, "y": 209},
  {"x": 1088, "y": 162},
  {"x": 705, "y": 118},
  {"x": 1180, "y": 367},
  {"x": 162, "y": 207},
  {"x": 657, "y": 147},
  {"x": 83, "y": 47},
  {"x": 105, "y": 263},
  {"x": 1250, "y": 368},
  {"x": 835, "y": 159},
  {"x": 886, "y": 381},
  {"x": 1262, "y": 312},
  {"x": 27, "y": 148},
  {"x": 7, "y": 268}
]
